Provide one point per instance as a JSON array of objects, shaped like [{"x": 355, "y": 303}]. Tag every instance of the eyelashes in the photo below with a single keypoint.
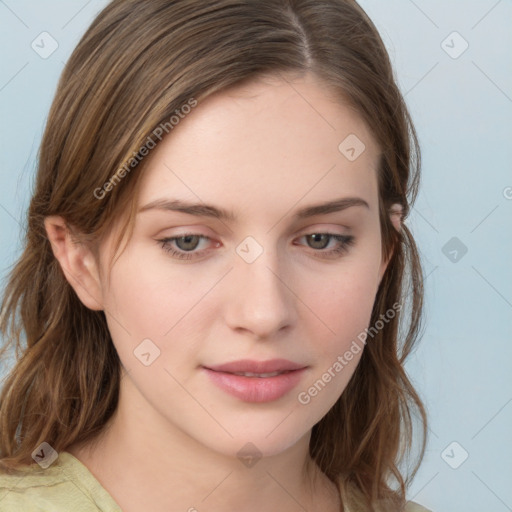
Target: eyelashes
[{"x": 344, "y": 242}]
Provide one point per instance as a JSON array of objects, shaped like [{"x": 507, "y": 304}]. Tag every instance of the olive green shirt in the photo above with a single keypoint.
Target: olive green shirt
[{"x": 66, "y": 486}]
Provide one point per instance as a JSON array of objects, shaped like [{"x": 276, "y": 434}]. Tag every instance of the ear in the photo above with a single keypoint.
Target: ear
[
  {"x": 77, "y": 262},
  {"x": 395, "y": 215}
]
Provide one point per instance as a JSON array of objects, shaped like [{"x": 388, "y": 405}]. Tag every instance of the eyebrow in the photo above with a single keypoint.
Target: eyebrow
[{"x": 206, "y": 210}]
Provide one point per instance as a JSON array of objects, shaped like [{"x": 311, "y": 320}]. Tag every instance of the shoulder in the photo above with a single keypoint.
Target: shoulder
[
  {"x": 63, "y": 486},
  {"x": 354, "y": 500},
  {"x": 19, "y": 489},
  {"x": 412, "y": 506}
]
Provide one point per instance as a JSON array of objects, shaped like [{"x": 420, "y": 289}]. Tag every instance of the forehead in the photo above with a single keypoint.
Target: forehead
[{"x": 271, "y": 141}]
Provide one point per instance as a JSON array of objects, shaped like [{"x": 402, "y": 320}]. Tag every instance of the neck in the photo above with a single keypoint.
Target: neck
[{"x": 140, "y": 450}]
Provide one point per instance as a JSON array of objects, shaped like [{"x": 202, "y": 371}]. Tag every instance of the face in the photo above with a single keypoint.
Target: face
[{"x": 276, "y": 289}]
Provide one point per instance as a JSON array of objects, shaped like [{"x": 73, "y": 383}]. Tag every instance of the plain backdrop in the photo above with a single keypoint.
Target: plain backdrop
[{"x": 453, "y": 61}]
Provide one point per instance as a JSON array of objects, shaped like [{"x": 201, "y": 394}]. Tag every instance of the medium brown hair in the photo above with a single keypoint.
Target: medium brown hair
[{"x": 137, "y": 64}]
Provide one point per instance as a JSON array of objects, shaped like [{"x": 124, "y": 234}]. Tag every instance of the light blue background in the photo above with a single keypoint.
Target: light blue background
[{"x": 462, "y": 109}]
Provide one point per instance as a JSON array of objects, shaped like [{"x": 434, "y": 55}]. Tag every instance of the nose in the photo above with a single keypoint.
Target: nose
[{"x": 260, "y": 300}]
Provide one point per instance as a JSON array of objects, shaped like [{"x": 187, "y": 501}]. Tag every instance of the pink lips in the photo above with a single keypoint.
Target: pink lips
[{"x": 256, "y": 388}]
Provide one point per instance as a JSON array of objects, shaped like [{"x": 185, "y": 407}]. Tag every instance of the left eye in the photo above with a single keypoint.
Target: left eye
[{"x": 188, "y": 242}]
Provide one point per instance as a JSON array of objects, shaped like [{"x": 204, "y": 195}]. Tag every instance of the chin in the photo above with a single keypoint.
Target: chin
[{"x": 265, "y": 439}]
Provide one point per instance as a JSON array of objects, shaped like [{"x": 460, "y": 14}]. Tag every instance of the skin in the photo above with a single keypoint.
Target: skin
[{"x": 263, "y": 151}]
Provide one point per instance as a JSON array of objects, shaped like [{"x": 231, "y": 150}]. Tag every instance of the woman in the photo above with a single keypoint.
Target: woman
[{"x": 213, "y": 275}]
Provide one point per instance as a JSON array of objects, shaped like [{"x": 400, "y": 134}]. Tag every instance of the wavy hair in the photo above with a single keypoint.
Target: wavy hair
[{"x": 137, "y": 64}]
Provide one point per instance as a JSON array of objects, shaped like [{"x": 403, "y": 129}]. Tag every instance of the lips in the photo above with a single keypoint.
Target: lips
[{"x": 256, "y": 381}]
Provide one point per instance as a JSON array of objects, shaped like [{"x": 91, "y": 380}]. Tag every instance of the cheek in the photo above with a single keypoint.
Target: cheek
[
  {"x": 342, "y": 306},
  {"x": 152, "y": 298},
  {"x": 155, "y": 301},
  {"x": 340, "y": 303},
  {"x": 147, "y": 294}
]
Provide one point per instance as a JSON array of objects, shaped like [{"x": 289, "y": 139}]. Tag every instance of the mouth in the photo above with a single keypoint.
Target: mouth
[
  {"x": 256, "y": 381},
  {"x": 260, "y": 375},
  {"x": 248, "y": 366}
]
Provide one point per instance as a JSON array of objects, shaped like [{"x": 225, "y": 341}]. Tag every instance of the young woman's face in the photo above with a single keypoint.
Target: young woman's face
[{"x": 269, "y": 289}]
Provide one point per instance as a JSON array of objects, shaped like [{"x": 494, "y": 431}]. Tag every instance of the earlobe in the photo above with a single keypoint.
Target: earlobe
[{"x": 76, "y": 261}]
